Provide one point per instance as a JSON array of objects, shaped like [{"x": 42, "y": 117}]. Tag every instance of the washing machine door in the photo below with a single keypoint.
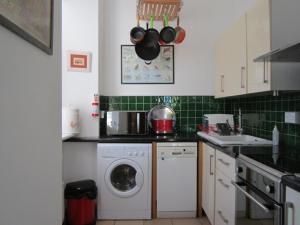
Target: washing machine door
[{"x": 124, "y": 178}]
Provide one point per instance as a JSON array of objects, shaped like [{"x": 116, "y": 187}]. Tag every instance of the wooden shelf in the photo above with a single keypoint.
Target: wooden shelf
[{"x": 158, "y": 8}]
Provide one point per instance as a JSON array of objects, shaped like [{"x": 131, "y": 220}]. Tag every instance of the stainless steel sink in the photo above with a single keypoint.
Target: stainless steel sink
[{"x": 234, "y": 139}]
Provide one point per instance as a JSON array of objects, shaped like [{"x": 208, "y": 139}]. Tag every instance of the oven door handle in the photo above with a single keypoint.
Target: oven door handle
[{"x": 250, "y": 197}]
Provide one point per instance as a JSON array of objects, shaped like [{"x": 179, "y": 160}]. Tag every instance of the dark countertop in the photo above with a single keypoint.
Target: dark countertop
[
  {"x": 292, "y": 182},
  {"x": 180, "y": 137},
  {"x": 283, "y": 159},
  {"x": 286, "y": 159}
]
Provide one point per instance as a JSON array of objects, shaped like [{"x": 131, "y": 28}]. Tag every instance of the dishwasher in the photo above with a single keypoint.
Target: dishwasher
[{"x": 176, "y": 180}]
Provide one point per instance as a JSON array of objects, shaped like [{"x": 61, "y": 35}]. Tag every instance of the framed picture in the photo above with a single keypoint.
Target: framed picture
[
  {"x": 30, "y": 19},
  {"x": 135, "y": 71},
  {"x": 79, "y": 61}
]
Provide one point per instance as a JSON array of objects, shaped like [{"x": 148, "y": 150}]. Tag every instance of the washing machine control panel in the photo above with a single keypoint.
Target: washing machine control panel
[{"x": 128, "y": 151}]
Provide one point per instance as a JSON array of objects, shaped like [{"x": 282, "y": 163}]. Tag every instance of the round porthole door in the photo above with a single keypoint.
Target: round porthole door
[{"x": 124, "y": 178}]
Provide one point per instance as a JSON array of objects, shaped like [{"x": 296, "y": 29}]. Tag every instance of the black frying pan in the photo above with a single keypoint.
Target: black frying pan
[
  {"x": 147, "y": 53},
  {"x": 167, "y": 34},
  {"x": 137, "y": 34},
  {"x": 152, "y": 35}
]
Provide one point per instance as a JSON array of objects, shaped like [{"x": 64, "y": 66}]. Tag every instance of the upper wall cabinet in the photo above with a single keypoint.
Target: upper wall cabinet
[
  {"x": 231, "y": 61},
  {"x": 258, "y": 43},
  {"x": 269, "y": 24}
]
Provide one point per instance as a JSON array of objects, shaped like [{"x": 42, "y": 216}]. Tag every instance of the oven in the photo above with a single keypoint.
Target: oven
[{"x": 258, "y": 195}]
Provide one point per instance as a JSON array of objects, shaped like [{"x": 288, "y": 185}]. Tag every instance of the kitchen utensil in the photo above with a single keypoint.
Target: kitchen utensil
[
  {"x": 152, "y": 35},
  {"x": 137, "y": 33},
  {"x": 180, "y": 33},
  {"x": 167, "y": 34},
  {"x": 70, "y": 121},
  {"x": 162, "y": 119},
  {"x": 147, "y": 53}
]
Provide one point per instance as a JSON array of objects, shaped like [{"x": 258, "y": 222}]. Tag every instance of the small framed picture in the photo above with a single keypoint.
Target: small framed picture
[{"x": 79, "y": 61}]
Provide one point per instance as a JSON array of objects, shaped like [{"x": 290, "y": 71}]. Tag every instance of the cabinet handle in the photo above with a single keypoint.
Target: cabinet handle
[
  {"x": 225, "y": 163},
  {"x": 223, "y": 183},
  {"x": 287, "y": 206},
  {"x": 222, "y": 83},
  {"x": 222, "y": 217},
  {"x": 243, "y": 69},
  {"x": 210, "y": 167},
  {"x": 265, "y": 73}
]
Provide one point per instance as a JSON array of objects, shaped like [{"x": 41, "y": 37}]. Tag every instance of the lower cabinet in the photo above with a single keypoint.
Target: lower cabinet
[
  {"x": 208, "y": 185},
  {"x": 218, "y": 194},
  {"x": 225, "y": 200}
]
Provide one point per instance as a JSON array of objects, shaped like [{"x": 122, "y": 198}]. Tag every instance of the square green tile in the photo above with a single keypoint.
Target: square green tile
[
  {"x": 125, "y": 99},
  {"x": 132, "y": 100},
  {"x": 124, "y": 107},
  {"x": 147, "y": 99},
  {"x": 140, "y": 99},
  {"x": 140, "y": 107},
  {"x": 132, "y": 107}
]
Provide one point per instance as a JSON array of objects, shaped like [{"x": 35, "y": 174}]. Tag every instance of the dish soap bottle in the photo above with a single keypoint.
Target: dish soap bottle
[{"x": 275, "y": 136}]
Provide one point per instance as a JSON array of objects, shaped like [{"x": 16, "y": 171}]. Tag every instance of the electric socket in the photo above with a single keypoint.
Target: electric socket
[{"x": 292, "y": 117}]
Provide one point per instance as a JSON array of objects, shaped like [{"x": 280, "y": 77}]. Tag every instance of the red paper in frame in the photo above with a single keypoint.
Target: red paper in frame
[{"x": 79, "y": 61}]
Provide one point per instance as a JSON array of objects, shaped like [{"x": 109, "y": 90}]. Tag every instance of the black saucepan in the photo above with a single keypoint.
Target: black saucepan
[
  {"x": 167, "y": 34},
  {"x": 137, "y": 34}
]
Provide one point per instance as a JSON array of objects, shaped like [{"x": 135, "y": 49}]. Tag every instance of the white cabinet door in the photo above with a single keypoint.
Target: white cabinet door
[
  {"x": 293, "y": 211},
  {"x": 236, "y": 72},
  {"x": 231, "y": 61},
  {"x": 258, "y": 43},
  {"x": 208, "y": 186},
  {"x": 221, "y": 55}
]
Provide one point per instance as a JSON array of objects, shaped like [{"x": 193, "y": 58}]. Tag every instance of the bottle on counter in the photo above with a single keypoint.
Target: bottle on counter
[{"x": 275, "y": 136}]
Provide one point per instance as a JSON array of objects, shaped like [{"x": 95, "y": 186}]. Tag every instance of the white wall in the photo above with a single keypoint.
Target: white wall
[
  {"x": 79, "y": 161},
  {"x": 203, "y": 21},
  {"x": 30, "y": 130},
  {"x": 80, "y": 28}
]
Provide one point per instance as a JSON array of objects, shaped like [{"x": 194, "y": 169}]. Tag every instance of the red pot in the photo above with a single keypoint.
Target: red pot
[{"x": 164, "y": 126}]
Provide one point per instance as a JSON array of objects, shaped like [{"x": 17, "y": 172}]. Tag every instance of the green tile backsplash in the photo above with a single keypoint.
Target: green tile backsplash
[
  {"x": 260, "y": 114},
  {"x": 189, "y": 109}
]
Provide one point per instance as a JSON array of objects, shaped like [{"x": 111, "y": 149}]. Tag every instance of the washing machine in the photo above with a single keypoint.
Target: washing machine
[{"x": 124, "y": 181}]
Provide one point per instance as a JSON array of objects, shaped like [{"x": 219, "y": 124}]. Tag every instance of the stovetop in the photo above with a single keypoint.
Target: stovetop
[{"x": 284, "y": 160}]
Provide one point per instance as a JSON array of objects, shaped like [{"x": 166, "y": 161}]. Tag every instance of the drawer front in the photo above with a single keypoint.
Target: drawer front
[
  {"x": 221, "y": 218},
  {"x": 225, "y": 200},
  {"x": 225, "y": 164}
]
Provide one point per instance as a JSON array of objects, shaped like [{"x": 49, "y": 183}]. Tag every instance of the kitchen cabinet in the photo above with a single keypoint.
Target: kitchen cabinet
[
  {"x": 292, "y": 207},
  {"x": 231, "y": 61},
  {"x": 208, "y": 185},
  {"x": 258, "y": 43},
  {"x": 225, "y": 191},
  {"x": 266, "y": 26},
  {"x": 218, "y": 194},
  {"x": 271, "y": 25}
]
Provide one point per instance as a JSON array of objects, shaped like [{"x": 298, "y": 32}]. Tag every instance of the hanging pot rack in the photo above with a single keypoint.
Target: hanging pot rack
[{"x": 158, "y": 8}]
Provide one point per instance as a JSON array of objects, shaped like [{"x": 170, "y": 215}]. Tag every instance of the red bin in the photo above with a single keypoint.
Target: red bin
[{"x": 81, "y": 203}]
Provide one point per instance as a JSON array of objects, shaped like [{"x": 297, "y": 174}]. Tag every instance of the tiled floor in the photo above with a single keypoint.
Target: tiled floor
[{"x": 197, "y": 221}]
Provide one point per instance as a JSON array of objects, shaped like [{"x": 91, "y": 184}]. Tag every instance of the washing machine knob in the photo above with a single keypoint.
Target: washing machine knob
[
  {"x": 135, "y": 154},
  {"x": 129, "y": 154},
  {"x": 142, "y": 154}
]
